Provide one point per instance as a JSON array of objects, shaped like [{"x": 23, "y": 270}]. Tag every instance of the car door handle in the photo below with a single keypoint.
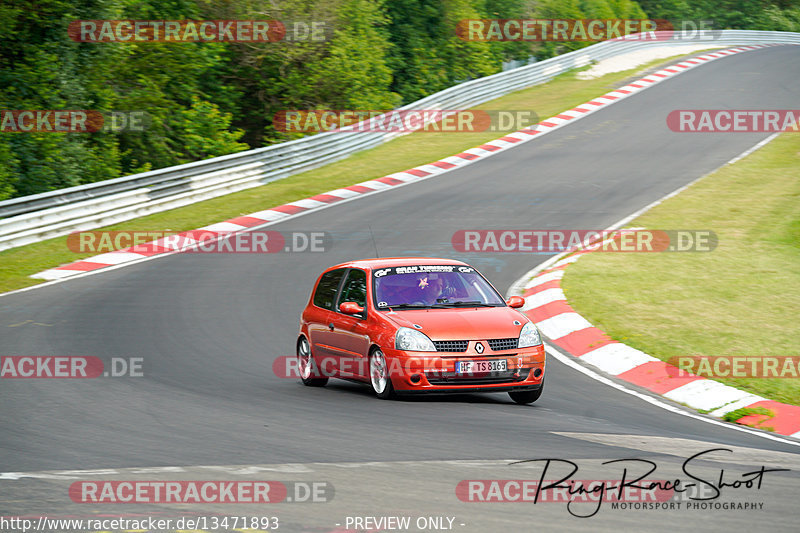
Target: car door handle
[{"x": 330, "y": 326}]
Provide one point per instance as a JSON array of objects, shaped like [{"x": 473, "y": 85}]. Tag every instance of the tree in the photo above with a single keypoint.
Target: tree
[
  {"x": 427, "y": 55},
  {"x": 202, "y": 131},
  {"x": 41, "y": 69},
  {"x": 8, "y": 168}
]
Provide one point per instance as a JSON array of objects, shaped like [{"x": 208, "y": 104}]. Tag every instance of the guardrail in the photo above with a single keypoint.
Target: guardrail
[{"x": 42, "y": 216}]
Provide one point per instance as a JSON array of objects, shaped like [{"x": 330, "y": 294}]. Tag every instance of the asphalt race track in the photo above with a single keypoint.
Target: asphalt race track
[{"x": 209, "y": 326}]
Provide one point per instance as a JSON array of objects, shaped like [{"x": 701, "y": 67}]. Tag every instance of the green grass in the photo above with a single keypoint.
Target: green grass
[
  {"x": 560, "y": 94},
  {"x": 738, "y": 414},
  {"x": 742, "y": 298}
]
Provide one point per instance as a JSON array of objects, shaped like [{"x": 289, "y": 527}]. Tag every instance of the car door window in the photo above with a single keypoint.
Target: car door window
[
  {"x": 328, "y": 287},
  {"x": 355, "y": 288}
]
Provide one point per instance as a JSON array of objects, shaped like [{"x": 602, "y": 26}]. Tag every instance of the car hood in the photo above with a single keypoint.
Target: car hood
[{"x": 462, "y": 324}]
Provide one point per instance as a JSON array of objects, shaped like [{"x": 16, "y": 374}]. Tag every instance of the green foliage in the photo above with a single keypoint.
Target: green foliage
[
  {"x": 40, "y": 68},
  {"x": 8, "y": 167},
  {"x": 426, "y": 54},
  {"x": 353, "y": 72},
  {"x": 672, "y": 10},
  {"x": 596, "y": 9},
  {"x": 583, "y": 9},
  {"x": 201, "y": 132},
  {"x": 775, "y": 18},
  {"x": 347, "y": 70},
  {"x": 510, "y": 9},
  {"x": 627, "y": 9},
  {"x": 737, "y": 414},
  {"x": 775, "y": 15}
]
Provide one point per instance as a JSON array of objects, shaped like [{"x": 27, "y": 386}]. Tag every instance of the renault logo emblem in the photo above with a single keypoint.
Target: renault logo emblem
[{"x": 479, "y": 347}]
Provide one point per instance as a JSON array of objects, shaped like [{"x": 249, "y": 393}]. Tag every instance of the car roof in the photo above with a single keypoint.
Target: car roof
[{"x": 385, "y": 262}]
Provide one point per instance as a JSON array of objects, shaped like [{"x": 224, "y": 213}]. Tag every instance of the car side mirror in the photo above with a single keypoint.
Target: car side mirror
[
  {"x": 351, "y": 308},
  {"x": 516, "y": 302}
]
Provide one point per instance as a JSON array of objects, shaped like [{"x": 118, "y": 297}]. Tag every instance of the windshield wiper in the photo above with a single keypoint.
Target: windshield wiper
[
  {"x": 470, "y": 304},
  {"x": 421, "y": 306},
  {"x": 442, "y": 305}
]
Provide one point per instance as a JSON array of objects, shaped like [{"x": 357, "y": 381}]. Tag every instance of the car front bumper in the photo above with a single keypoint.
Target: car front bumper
[{"x": 435, "y": 372}]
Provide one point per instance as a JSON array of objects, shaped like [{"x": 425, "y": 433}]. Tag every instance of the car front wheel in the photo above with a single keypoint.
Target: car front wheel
[
  {"x": 307, "y": 367},
  {"x": 379, "y": 375},
  {"x": 525, "y": 397}
]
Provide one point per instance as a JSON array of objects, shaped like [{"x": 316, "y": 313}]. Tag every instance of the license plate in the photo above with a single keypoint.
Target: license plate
[{"x": 472, "y": 367}]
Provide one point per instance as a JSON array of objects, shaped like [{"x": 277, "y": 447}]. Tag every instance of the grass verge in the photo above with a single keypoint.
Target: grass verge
[
  {"x": 562, "y": 93},
  {"x": 740, "y": 299}
]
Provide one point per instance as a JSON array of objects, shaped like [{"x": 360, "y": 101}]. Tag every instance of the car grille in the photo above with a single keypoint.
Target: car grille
[
  {"x": 451, "y": 346},
  {"x": 438, "y": 378},
  {"x": 461, "y": 346},
  {"x": 503, "y": 344}
]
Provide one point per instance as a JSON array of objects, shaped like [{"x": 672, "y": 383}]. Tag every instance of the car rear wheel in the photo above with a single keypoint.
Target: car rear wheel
[
  {"x": 525, "y": 397},
  {"x": 379, "y": 375},
  {"x": 307, "y": 367}
]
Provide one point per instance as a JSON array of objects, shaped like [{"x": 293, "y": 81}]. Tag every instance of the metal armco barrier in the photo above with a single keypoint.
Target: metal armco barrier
[{"x": 38, "y": 217}]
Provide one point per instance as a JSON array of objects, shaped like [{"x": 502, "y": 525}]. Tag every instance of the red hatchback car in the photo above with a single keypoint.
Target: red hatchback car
[{"x": 418, "y": 325}]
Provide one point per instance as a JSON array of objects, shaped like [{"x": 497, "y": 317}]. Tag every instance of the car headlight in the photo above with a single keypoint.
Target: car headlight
[
  {"x": 529, "y": 336},
  {"x": 413, "y": 341}
]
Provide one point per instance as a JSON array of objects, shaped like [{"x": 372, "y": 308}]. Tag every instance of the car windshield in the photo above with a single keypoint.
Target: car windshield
[{"x": 432, "y": 286}]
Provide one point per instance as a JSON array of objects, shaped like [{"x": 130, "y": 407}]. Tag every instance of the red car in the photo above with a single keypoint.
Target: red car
[{"x": 418, "y": 325}]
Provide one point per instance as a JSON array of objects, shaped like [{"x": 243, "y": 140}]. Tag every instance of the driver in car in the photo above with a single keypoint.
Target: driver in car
[{"x": 432, "y": 289}]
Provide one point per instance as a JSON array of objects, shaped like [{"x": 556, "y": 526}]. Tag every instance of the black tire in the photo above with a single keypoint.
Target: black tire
[
  {"x": 381, "y": 382},
  {"x": 526, "y": 397},
  {"x": 309, "y": 373}
]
